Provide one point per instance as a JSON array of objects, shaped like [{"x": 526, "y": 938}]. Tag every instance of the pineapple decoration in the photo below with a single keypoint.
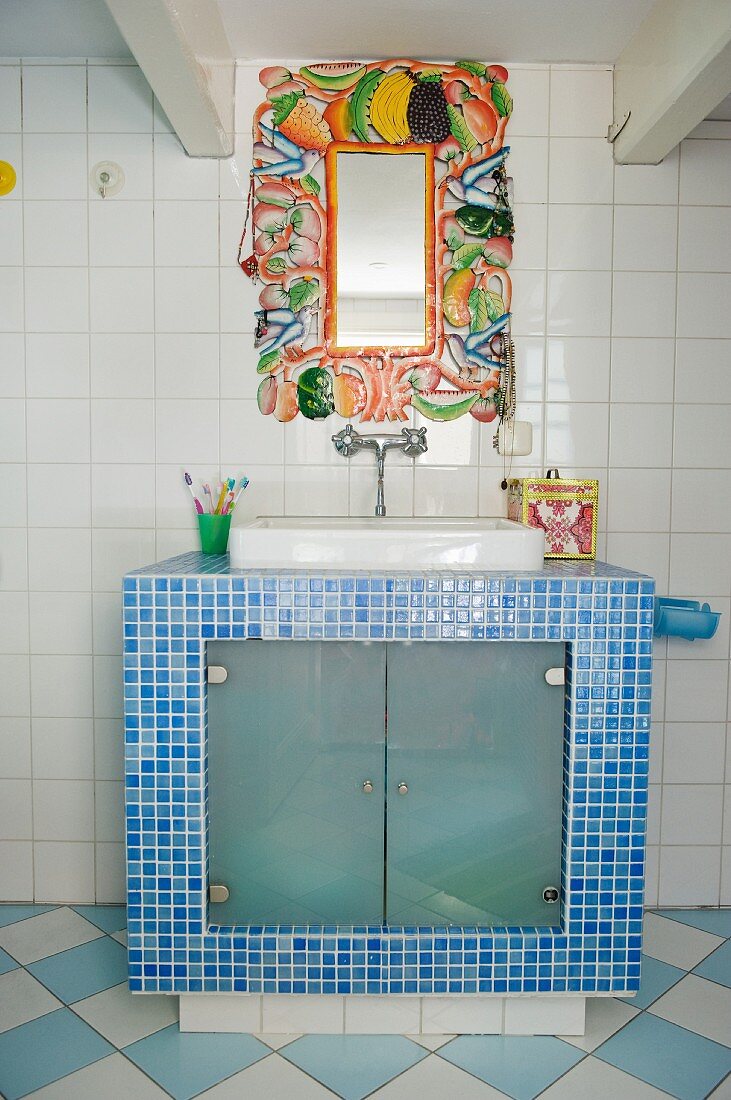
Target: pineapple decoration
[
  {"x": 301, "y": 122},
  {"x": 427, "y": 113}
]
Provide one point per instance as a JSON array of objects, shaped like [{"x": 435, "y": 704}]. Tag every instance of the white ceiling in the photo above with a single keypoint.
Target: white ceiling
[
  {"x": 59, "y": 28},
  {"x": 509, "y": 30}
]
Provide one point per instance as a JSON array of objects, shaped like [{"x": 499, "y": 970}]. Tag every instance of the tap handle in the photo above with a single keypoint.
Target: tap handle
[
  {"x": 415, "y": 440},
  {"x": 345, "y": 440}
]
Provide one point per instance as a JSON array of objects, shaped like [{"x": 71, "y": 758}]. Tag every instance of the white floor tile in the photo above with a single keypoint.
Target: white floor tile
[
  {"x": 123, "y": 1018},
  {"x": 273, "y": 1078},
  {"x": 698, "y": 1005},
  {"x": 22, "y": 998},
  {"x": 435, "y": 1079},
  {"x": 276, "y": 1042},
  {"x": 47, "y": 934},
  {"x": 592, "y": 1078},
  {"x": 431, "y": 1042},
  {"x": 676, "y": 943},
  {"x": 604, "y": 1016},
  {"x": 113, "y": 1077}
]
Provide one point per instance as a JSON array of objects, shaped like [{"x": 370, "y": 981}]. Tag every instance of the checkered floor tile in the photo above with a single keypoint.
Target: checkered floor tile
[{"x": 69, "y": 1029}]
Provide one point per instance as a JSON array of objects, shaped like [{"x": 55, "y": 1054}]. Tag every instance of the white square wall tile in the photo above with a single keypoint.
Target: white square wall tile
[
  {"x": 107, "y": 623},
  {"x": 445, "y": 491},
  {"x": 108, "y": 702},
  {"x": 691, "y": 813},
  {"x": 247, "y": 435},
  {"x": 703, "y": 305},
  {"x": 686, "y": 551},
  {"x": 466, "y": 1015},
  {"x": 704, "y": 239},
  {"x": 186, "y": 234},
  {"x": 702, "y": 435},
  {"x": 529, "y": 246},
  {"x": 116, "y": 551},
  {"x": 12, "y": 431},
  {"x": 577, "y": 368},
  {"x": 701, "y": 500},
  {"x": 122, "y": 495},
  {"x": 63, "y": 748},
  {"x": 186, "y": 299},
  {"x": 222, "y": 1012},
  {"x": 120, "y": 234},
  {"x": 693, "y": 752},
  {"x": 54, "y": 99},
  {"x": 12, "y": 364},
  {"x": 638, "y": 440},
  {"x": 58, "y": 430},
  {"x": 9, "y": 99},
  {"x": 581, "y": 170},
  {"x": 64, "y": 872},
  {"x": 528, "y": 166},
  {"x": 642, "y": 369},
  {"x": 61, "y": 686},
  {"x": 529, "y": 89},
  {"x": 111, "y": 881},
  {"x": 315, "y": 491},
  {"x": 14, "y": 617},
  {"x": 121, "y": 299},
  {"x": 57, "y": 299},
  {"x": 55, "y": 234},
  {"x": 57, "y": 364},
  {"x": 15, "y": 747},
  {"x": 122, "y": 364},
  {"x": 579, "y": 303},
  {"x": 689, "y": 875},
  {"x": 716, "y": 358},
  {"x": 645, "y": 238},
  {"x": 186, "y": 365},
  {"x": 528, "y": 304},
  {"x": 187, "y": 431},
  {"x": 375, "y": 1015},
  {"x": 122, "y": 431},
  {"x": 59, "y": 559},
  {"x": 643, "y": 303},
  {"x": 60, "y": 622},
  {"x": 108, "y": 748},
  {"x": 579, "y": 237},
  {"x": 63, "y": 809},
  {"x": 120, "y": 100},
  {"x": 14, "y": 686},
  {"x": 16, "y": 809},
  {"x": 296, "y": 1014},
  {"x": 178, "y": 176},
  {"x": 14, "y": 556},
  {"x": 576, "y": 434},
  {"x": 11, "y": 299},
  {"x": 705, "y": 173},
  {"x": 648, "y": 183},
  {"x": 696, "y": 691},
  {"x": 639, "y": 500},
  {"x": 109, "y": 811},
  {"x": 54, "y": 166},
  {"x": 58, "y": 494},
  {"x": 11, "y": 232},
  {"x": 581, "y": 102},
  {"x": 16, "y": 870},
  {"x": 544, "y": 1015},
  {"x": 646, "y": 553}
]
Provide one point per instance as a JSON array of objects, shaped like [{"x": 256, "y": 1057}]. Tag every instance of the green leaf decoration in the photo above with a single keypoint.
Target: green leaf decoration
[
  {"x": 303, "y": 293},
  {"x": 495, "y": 305},
  {"x": 430, "y": 76},
  {"x": 477, "y": 305},
  {"x": 502, "y": 99},
  {"x": 454, "y": 239},
  {"x": 466, "y": 255},
  {"x": 310, "y": 185},
  {"x": 477, "y": 68},
  {"x": 275, "y": 265},
  {"x": 284, "y": 105},
  {"x": 315, "y": 393},
  {"x": 460, "y": 129},
  {"x": 267, "y": 361}
]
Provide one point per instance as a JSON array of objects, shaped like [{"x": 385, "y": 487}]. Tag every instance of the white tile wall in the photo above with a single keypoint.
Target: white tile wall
[{"x": 126, "y": 351}]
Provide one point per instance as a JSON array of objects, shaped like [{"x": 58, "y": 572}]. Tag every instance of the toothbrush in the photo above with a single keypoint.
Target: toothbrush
[
  {"x": 189, "y": 483},
  {"x": 222, "y": 497},
  {"x": 242, "y": 485},
  {"x": 209, "y": 493}
]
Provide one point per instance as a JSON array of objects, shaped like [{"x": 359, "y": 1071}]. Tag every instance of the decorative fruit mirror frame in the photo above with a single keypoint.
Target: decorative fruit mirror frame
[{"x": 456, "y": 115}]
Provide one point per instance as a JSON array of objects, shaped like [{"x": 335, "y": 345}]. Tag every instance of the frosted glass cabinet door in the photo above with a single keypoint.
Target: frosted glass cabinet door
[
  {"x": 476, "y": 735},
  {"x": 294, "y": 733}
]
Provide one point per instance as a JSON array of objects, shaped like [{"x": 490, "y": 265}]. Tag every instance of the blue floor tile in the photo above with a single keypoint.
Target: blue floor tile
[
  {"x": 37, "y": 1053},
  {"x": 717, "y": 921},
  {"x": 717, "y": 967},
  {"x": 82, "y": 971},
  {"x": 6, "y": 963},
  {"x": 10, "y": 914},
  {"x": 655, "y": 979},
  {"x": 353, "y": 1065},
  {"x": 110, "y": 918},
  {"x": 682, "y": 1063},
  {"x": 186, "y": 1064},
  {"x": 521, "y": 1066}
]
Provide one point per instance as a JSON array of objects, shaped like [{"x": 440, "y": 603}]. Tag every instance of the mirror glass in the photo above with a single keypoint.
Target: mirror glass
[{"x": 380, "y": 274}]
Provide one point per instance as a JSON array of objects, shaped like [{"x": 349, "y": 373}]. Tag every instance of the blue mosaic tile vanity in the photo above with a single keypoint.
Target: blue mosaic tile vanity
[{"x": 603, "y": 614}]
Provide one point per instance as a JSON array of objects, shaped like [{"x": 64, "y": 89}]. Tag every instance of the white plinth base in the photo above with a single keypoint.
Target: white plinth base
[{"x": 381, "y": 1015}]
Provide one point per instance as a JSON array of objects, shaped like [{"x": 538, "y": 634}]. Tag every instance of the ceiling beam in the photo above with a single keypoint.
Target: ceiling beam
[
  {"x": 182, "y": 49},
  {"x": 671, "y": 74}
]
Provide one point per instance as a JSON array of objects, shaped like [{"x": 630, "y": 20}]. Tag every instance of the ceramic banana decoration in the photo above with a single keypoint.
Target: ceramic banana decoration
[{"x": 457, "y": 114}]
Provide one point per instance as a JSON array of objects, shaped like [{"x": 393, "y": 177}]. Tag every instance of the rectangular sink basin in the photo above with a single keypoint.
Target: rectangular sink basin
[{"x": 386, "y": 544}]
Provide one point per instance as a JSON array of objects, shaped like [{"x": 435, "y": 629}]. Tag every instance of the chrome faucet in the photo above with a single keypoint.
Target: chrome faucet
[{"x": 412, "y": 441}]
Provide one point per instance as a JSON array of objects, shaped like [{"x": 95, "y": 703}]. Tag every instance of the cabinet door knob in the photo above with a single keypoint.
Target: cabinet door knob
[
  {"x": 368, "y": 786},
  {"x": 402, "y": 788}
]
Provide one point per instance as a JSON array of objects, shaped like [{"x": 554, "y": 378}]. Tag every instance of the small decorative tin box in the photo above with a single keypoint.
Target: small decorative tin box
[{"x": 566, "y": 508}]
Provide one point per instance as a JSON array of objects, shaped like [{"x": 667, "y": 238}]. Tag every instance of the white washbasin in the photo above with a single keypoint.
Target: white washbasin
[{"x": 386, "y": 544}]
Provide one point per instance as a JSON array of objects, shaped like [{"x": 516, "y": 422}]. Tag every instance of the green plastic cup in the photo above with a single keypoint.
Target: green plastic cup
[{"x": 214, "y": 533}]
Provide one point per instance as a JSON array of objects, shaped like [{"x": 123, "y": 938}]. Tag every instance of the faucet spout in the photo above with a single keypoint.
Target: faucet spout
[{"x": 412, "y": 441}]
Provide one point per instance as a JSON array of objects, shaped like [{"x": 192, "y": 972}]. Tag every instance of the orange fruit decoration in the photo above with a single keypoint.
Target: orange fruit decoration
[
  {"x": 339, "y": 117},
  {"x": 457, "y": 290},
  {"x": 349, "y": 394}
]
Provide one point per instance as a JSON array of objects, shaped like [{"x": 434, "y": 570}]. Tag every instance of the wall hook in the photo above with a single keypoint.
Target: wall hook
[{"x": 107, "y": 178}]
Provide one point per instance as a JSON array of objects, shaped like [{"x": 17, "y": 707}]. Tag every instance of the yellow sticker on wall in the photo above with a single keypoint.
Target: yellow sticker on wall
[{"x": 7, "y": 177}]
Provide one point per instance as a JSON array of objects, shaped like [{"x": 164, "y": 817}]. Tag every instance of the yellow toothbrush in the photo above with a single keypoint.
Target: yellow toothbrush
[{"x": 226, "y": 487}]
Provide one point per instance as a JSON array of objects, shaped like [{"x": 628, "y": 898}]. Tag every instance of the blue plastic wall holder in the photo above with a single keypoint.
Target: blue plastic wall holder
[{"x": 684, "y": 619}]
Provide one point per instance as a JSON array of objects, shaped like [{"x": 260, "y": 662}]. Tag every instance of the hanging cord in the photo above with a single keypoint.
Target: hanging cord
[
  {"x": 249, "y": 266},
  {"x": 506, "y": 403}
]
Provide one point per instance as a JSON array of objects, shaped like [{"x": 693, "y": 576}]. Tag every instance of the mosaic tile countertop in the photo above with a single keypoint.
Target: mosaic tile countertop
[{"x": 602, "y": 613}]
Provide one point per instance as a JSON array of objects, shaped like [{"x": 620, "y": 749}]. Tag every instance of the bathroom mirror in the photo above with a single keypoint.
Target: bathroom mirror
[
  {"x": 381, "y": 247},
  {"x": 382, "y": 234}
]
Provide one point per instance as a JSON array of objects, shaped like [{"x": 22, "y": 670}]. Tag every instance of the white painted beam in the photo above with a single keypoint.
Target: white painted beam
[
  {"x": 182, "y": 49},
  {"x": 671, "y": 74}
]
